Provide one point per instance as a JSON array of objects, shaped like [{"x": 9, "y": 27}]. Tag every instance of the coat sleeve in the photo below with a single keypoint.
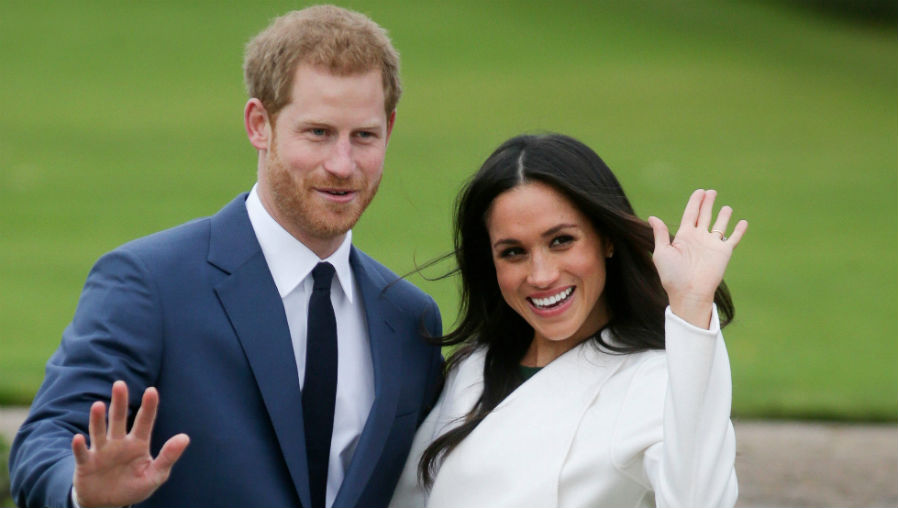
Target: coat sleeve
[
  {"x": 115, "y": 334},
  {"x": 693, "y": 465}
]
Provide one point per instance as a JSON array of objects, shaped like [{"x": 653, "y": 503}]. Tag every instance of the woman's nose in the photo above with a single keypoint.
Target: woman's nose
[{"x": 543, "y": 271}]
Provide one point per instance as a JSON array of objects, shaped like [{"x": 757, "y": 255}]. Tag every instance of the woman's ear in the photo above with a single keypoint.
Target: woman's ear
[{"x": 258, "y": 126}]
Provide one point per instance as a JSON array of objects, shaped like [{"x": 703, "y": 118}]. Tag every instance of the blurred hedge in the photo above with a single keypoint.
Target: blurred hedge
[{"x": 5, "y": 499}]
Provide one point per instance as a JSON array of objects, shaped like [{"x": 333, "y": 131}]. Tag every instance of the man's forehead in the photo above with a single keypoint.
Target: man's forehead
[{"x": 357, "y": 94}]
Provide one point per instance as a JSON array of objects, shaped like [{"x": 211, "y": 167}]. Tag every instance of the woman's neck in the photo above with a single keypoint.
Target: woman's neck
[{"x": 543, "y": 351}]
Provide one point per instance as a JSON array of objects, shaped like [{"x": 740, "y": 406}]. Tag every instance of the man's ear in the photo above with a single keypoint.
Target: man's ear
[
  {"x": 391, "y": 120},
  {"x": 258, "y": 126}
]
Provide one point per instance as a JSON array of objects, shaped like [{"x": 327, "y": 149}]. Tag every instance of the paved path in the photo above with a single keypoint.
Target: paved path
[
  {"x": 782, "y": 464},
  {"x": 816, "y": 464},
  {"x": 10, "y": 419}
]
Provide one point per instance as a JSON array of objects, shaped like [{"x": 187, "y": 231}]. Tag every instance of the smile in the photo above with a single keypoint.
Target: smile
[
  {"x": 552, "y": 301},
  {"x": 338, "y": 195}
]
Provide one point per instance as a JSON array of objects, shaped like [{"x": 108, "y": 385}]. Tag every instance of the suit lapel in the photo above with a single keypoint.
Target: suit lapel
[
  {"x": 255, "y": 310},
  {"x": 386, "y": 357}
]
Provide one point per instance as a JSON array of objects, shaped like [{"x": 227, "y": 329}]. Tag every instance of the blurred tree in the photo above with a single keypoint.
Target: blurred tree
[{"x": 869, "y": 11}]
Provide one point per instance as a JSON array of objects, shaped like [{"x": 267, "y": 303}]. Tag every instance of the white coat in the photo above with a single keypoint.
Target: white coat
[{"x": 591, "y": 429}]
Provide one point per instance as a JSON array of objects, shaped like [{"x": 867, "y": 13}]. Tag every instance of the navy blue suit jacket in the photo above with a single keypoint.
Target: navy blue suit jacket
[{"x": 194, "y": 312}]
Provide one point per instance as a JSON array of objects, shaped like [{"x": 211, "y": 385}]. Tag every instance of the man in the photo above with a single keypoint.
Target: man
[{"x": 291, "y": 363}]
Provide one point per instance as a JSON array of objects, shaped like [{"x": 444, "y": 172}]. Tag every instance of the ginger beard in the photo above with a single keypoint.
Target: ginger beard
[{"x": 298, "y": 202}]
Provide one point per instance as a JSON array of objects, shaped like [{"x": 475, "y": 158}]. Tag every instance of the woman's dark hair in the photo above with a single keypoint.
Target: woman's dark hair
[{"x": 635, "y": 298}]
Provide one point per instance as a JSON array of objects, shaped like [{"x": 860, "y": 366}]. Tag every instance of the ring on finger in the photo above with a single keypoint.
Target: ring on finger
[{"x": 723, "y": 237}]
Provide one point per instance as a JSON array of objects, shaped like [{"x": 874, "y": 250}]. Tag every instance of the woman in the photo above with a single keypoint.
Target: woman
[{"x": 591, "y": 372}]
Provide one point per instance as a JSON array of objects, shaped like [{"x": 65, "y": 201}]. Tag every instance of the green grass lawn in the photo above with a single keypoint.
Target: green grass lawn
[{"x": 119, "y": 119}]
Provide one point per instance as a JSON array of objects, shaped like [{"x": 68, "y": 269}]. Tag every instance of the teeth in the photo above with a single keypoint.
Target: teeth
[{"x": 552, "y": 300}]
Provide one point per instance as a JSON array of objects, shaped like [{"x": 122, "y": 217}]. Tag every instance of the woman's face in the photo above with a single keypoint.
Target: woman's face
[{"x": 550, "y": 262}]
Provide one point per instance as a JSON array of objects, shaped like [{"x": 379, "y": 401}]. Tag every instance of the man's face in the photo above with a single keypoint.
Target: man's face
[{"x": 325, "y": 156}]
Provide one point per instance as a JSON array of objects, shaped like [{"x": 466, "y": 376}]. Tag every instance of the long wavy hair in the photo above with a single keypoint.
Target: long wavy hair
[{"x": 635, "y": 298}]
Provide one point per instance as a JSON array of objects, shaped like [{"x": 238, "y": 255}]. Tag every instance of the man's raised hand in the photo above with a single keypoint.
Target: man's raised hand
[{"x": 117, "y": 469}]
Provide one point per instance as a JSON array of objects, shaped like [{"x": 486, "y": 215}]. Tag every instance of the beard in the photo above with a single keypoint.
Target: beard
[{"x": 304, "y": 211}]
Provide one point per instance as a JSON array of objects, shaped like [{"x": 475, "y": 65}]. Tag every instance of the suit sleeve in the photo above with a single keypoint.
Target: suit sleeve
[
  {"x": 435, "y": 370},
  {"x": 409, "y": 492},
  {"x": 462, "y": 390},
  {"x": 694, "y": 463},
  {"x": 115, "y": 334}
]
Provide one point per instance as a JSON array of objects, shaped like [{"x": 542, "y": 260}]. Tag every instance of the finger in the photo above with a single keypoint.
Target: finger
[
  {"x": 706, "y": 210},
  {"x": 723, "y": 218},
  {"x": 146, "y": 415},
  {"x": 169, "y": 454},
  {"x": 662, "y": 235},
  {"x": 690, "y": 213},
  {"x": 738, "y": 231},
  {"x": 118, "y": 410},
  {"x": 79, "y": 449},
  {"x": 96, "y": 426}
]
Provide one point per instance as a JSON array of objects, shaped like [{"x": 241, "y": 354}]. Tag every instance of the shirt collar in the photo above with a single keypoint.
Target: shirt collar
[{"x": 289, "y": 260}]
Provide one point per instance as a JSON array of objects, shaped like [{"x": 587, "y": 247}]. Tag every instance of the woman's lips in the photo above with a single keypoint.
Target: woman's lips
[{"x": 550, "y": 304}]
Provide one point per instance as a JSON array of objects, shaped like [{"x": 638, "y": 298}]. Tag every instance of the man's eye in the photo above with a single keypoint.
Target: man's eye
[
  {"x": 318, "y": 132},
  {"x": 562, "y": 240}
]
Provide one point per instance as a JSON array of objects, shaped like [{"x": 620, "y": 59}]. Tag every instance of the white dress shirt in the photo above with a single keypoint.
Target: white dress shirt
[{"x": 291, "y": 264}]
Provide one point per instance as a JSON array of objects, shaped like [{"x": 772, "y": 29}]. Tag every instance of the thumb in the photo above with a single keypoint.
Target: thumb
[
  {"x": 169, "y": 454},
  {"x": 662, "y": 235},
  {"x": 79, "y": 449}
]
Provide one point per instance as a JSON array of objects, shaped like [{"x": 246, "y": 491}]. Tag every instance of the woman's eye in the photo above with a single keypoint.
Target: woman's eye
[
  {"x": 511, "y": 252},
  {"x": 562, "y": 240}
]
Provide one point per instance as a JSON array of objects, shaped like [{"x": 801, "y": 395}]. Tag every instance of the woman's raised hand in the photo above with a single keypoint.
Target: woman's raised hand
[{"x": 691, "y": 266}]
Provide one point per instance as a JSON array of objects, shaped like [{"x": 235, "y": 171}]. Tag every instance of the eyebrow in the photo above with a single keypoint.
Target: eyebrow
[
  {"x": 320, "y": 124},
  {"x": 549, "y": 232}
]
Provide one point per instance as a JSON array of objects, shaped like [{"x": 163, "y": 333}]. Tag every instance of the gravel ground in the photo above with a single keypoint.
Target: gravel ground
[
  {"x": 782, "y": 463},
  {"x": 816, "y": 464}
]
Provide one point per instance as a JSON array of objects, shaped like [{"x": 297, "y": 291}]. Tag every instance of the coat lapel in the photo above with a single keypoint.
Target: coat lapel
[
  {"x": 255, "y": 310},
  {"x": 386, "y": 357}
]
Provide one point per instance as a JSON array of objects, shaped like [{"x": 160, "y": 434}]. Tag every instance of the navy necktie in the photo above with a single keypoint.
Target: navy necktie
[{"x": 320, "y": 383}]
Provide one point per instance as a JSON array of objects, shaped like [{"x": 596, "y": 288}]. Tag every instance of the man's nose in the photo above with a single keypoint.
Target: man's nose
[{"x": 339, "y": 161}]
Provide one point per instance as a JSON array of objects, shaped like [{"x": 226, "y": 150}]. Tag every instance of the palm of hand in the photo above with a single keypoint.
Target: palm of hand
[
  {"x": 693, "y": 263},
  {"x": 125, "y": 463}
]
